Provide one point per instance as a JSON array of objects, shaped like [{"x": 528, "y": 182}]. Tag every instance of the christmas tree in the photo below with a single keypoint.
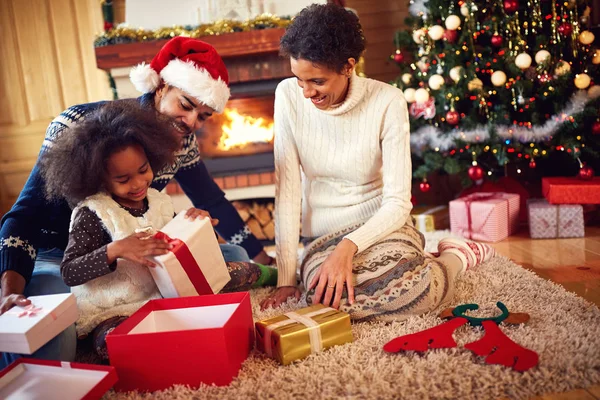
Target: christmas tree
[{"x": 497, "y": 83}]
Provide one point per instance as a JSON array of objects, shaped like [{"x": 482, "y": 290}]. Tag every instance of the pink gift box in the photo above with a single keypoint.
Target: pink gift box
[
  {"x": 182, "y": 341},
  {"x": 27, "y": 378},
  {"x": 486, "y": 217},
  {"x": 548, "y": 221}
]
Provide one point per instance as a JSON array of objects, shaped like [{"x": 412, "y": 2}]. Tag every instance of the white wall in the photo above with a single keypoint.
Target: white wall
[{"x": 153, "y": 14}]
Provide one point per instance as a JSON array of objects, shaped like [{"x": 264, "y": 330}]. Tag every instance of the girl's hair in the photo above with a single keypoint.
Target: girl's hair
[
  {"x": 75, "y": 166},
  {"x": 324, "y": 34}
]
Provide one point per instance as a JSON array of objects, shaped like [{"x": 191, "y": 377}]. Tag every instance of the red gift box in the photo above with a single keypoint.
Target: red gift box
[
  {"x": 27, "y": 378},
  {"x": 488, "y": 217},
  {"x": 186, "y": 340},
  {"x": 563, "y": 190}
]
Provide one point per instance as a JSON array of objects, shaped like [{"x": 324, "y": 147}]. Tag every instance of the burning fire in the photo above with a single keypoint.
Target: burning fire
[{"x": 242, "y": 129}]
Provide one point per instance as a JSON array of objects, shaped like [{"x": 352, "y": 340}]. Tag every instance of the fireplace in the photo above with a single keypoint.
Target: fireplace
[{"x": 237, "y": 146}]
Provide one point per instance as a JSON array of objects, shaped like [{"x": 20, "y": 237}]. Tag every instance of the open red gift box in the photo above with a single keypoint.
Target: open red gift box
[
  {"x": 28, "y": 378},
  {"x": 186, "y": 340}
]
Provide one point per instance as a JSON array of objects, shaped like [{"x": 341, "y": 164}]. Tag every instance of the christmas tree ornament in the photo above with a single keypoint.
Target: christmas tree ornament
[
  {"x": 596, "y": 128},
  {"x": 452, "y": 117},
  {"x": 542, "y": 56},
  {"x": 476, "y": 173},
  {"x": 594, "y": 92},
  {"x": 418, "y": 36},
  {"x": 562, "y": 68},
  {"x": 586, "y": 37},
  {"x": 531, "y": 73},
  {"x": 436, "y": 32},
  {"x": 571, "y": 4},
  {"x": 435, "y": 82},
  {"x": 452, "y": 22},
  {"x": 586, "y": 172},
  {"x": 422, "y": 64},
  {"x": 409, "y": 95},
  {"x": 498, "y": 78},
  {"x": 582, "y": 81},
  {"x": 596, "y": 57},
  {"x": 497, "y": 40},
  {"x": 450, "y": 35},
  {"x": 523, "y": 61},
  {"x": 421, "y": 95},
  {"x": 407, "y": 78},
  {"x": 425, "y": 110},
  {"x": 511, "y": 6},
  {"x": 398, "y": 57},
  {"x": 545, "y": 77},
  {"x": 520, "y": 99},
  {"x": 424, "y": 186},
  {"x": 565, "y": 29},
  {"x": 456, "y": 73},
  {"x": 532, "y": 164},
  {"x": 464, "y": 10},
  {"x": 475, "y": 84}
]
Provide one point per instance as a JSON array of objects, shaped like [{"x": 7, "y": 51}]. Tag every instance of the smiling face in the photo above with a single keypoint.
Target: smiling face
[
  {"x": 323, "y": 86},
  {"x": 187, "y": 112},
  {"x": 128, "y": 176}
]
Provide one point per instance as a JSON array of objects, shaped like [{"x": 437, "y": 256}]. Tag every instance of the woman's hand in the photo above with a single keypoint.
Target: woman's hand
[
  {"x": 334, "y": 273},
  {"x": 194, "y": 213},
  {"x": 280, "y": 295},
  {"x": 136, "y": 247}
]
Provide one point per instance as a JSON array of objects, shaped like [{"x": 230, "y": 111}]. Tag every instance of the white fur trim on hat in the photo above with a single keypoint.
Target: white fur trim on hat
[
  {"x": 197, "y": 82},
  {"x": 144, "y": 78}
]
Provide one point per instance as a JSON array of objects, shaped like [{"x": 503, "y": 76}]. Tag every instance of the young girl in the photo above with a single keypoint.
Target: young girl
[{"x": 106, "y": 167}]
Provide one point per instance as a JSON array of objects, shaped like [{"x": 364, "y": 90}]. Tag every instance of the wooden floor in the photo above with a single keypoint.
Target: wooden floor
[{"x": 572, "y": 263}]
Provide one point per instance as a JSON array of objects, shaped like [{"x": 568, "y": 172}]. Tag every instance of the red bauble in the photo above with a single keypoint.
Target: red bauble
[
  {"x": 596, "y": 128},
  {"x": 510, "y": 6},
  {"x": 497, "y": 40},
  {"x": 424, "y": 186},
  {"x": 565, "y": 29},
  {"x": 586, "y": 173},
  {"x": 108, "y": 26},
  {"x": 476, "y": 173},
  {"x": 450, "y": 35},
  {"x": 452, "y": 117},
  {"x": 532, "y": 164},
  {"x": 398, "y": 58}
]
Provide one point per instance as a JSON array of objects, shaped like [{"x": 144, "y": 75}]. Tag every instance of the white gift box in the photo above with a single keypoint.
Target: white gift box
[
  {"x": 23, "y": 330},
  {"x": 55, "y": 380},
  {"x": 195, "y": 266}
]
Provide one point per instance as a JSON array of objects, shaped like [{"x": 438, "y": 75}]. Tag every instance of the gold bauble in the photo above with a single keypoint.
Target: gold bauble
[
  {"x": 582, "y": 81},
  {"x": 586, "y": 37},
  {"x": 596, "y": 57},
  {"x": 562, "y": 68},
  {"x": 475, "y": 84}
]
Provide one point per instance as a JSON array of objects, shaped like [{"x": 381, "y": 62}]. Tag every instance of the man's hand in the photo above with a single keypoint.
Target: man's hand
[
  {"x": 196, "y": 213},
  {"x": 12, "y": 284}
]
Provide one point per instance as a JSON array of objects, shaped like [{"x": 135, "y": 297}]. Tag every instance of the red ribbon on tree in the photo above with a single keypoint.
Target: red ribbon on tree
[{"x": 188, "y": 263}]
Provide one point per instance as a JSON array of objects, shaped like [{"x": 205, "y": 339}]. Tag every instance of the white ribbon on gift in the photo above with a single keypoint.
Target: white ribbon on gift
[
  {"x": 421, "y": 217},
  {"x": 314, "y": 331}
]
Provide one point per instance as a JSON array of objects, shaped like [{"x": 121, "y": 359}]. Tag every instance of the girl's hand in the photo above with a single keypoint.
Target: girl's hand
[
  {"x": 280, "y": 295},
  {"x": 136, "y": 247},
  {"x": 334, "y": 273},
  {"x": 194, "y": 213}
]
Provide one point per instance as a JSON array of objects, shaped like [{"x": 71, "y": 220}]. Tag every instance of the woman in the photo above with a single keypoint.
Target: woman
[{"x": 342, "y": 158}]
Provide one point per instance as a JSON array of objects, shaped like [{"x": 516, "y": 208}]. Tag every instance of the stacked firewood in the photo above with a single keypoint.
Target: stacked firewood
[{"x": 259, "y": 218}]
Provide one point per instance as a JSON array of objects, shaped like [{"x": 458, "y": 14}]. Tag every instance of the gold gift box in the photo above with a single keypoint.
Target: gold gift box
[
  {"x": 290, "y": 340},
  {"x": 428, "y": 218}
]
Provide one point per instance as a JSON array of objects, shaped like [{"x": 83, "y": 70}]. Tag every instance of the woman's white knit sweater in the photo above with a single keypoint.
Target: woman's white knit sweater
[{"x": 346, "y": 165}]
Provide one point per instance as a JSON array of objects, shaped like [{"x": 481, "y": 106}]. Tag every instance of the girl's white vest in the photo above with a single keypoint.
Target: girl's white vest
[{"x": 130, "y": 286}]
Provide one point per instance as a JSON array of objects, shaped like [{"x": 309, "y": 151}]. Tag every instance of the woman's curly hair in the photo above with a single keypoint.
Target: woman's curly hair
[
  {"x": 75, "y": 166},
  {"x": 325, "y": 34}
]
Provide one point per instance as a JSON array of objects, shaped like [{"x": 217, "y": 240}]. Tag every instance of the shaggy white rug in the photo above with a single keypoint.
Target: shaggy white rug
[{"x": 564, "y": 330}]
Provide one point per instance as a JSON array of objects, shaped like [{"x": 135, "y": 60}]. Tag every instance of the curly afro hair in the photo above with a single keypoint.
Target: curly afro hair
[
  {"x": 75, "y": 166},
  {"x": 325, "y": 34}
]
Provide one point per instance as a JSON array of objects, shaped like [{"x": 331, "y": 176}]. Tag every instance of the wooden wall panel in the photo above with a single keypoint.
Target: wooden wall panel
[
  {"x": 47, "y": 64},
  {"x": 380, "y": 20}
]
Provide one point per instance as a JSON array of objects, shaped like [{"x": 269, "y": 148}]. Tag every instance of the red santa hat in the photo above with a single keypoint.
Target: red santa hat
[{"x": 190, "y": 65}]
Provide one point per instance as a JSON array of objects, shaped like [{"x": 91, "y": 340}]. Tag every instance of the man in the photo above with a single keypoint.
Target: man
[{"x": 186, "y": 81}]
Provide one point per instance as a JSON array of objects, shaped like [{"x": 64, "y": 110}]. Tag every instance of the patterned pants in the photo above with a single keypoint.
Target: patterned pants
[{"x": 393, "y": 279}]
